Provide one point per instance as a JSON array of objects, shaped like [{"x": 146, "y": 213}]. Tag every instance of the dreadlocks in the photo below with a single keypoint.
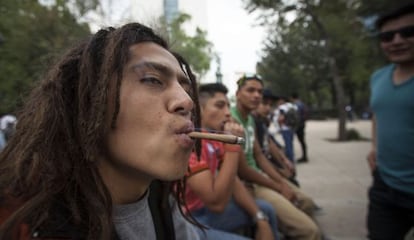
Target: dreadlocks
[{"x": 52, "y": 155}]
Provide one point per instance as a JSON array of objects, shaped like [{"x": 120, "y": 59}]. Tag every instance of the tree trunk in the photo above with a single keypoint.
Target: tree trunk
[
  {"x": 333, "y": 68},
  {"x": 340, "y": 99}
]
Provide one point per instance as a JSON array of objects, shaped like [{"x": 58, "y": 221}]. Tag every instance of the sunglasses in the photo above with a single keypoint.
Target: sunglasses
[
  {"x": 246, "y": 77},
  {"x": 405, "y": 32}
]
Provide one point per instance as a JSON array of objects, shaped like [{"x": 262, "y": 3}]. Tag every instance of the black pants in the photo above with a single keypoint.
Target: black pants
[
  {"x": 390, "y": 212},
  {"x": 300, "y": 133}
]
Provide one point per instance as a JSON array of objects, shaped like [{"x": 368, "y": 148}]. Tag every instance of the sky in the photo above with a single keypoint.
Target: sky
[
  {"x": 236, "y": 38},
  {"x": 235, "y": 34}
]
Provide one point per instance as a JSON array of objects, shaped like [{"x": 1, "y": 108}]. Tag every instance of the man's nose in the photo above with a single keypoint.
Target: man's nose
[{"x": 181, "y": 102}]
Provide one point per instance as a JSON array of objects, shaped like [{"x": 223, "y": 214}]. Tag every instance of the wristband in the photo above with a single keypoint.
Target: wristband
[{"x": 232, "y": 148}]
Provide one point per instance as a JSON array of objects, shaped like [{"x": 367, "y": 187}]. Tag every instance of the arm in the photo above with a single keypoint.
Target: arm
[
  {"x": 249, "y": 174},
  {"x": 288, "y": 169},
  {"x": 215, "y": 191},
  {"x": 372, "y": 154},
  {"x": 265, "y": 164},
  {"x": 245, "y": 200},
  {"x": 268, "y": 168}
]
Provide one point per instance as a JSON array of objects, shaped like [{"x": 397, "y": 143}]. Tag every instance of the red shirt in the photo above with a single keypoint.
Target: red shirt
[{"x": 212, "y": 153}]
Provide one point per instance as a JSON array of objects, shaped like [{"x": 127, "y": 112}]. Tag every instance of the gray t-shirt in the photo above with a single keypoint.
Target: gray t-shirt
[{"x": 134, "y": 221}]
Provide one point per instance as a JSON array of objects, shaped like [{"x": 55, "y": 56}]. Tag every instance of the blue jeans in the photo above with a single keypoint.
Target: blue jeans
[
  {"x": 288, "y": 139},
  {"x": 220, "y": 225},
  {"x": 390, "y": 212}
]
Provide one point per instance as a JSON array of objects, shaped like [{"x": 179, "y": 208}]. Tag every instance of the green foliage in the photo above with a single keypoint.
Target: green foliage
[
  {"x": 352, "y": 134},
  {"x": 196, "y": 49},
  {"x": 296, "y": 56},
  {"x": 33, "y": 34}
]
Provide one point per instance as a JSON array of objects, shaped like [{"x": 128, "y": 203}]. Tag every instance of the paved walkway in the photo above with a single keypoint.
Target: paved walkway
[{"x": 337, "y": 177}]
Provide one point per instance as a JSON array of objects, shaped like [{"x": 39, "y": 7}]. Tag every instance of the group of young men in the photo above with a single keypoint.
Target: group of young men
[
  {"x": 231, "y": 187},
  {"x": 261, "y": 170}
]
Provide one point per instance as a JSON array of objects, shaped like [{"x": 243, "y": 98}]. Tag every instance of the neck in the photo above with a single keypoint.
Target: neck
[
  {"x": 243, "y": 111},
  {"x": 403, "y": 71},
  {"x": 124, "y": 187}
]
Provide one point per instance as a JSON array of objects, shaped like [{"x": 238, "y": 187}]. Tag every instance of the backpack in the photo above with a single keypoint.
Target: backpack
[{"x": 292, "y": 118}]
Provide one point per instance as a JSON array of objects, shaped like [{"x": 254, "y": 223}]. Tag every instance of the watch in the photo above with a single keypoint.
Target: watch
[{"x": 260, "y": 216}]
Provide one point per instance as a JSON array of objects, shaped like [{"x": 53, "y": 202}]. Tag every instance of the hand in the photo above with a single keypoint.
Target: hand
[
  {"x": 288, "y": 193},
  {"x": 234, "y": 128},
  {"x": 372, "y": 159},
  {"x": 289, "y": 165},
  {"x": 285, "y": 172},
  {"x": 263, "y": 231}
]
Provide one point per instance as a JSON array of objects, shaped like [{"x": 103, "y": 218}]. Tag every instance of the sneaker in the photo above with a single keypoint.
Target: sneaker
[{"x": 302, "y": 160}]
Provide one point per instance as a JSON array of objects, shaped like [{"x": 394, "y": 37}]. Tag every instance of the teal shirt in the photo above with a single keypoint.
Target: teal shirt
[
  {"x": 249, "y": 134},
  {"x": 393, "y": 106}
]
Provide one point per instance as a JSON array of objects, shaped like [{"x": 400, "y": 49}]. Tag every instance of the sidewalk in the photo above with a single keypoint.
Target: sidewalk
[{"x": 337, "y": 177}]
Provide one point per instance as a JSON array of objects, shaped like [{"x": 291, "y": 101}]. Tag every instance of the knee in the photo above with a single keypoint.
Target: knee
[{"x": 311, "y": 230}]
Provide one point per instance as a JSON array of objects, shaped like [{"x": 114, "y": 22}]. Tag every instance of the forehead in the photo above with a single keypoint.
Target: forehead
[
  {"x": 255, "y": 84},
  {"x": 218, "y": 96},
  {"x": 152, "y": 52},
  {"x": 403, "y": 21}
]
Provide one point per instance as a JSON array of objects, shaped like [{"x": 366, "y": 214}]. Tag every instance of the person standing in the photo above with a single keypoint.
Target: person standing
[
  {"x": 286, "y": 117},
  {"x": 391, "y": 158},
  {"x": 300, "y": 130}
]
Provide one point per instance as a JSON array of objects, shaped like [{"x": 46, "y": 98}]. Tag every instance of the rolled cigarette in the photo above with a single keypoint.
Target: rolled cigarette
[{"x": 226, "y": 138}]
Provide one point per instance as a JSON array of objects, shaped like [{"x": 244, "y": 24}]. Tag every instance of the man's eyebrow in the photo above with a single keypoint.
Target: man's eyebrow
[{"x": 182, "y": 78}]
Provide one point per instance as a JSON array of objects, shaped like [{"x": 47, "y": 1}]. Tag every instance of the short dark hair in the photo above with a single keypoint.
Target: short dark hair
[
  {"x": 212, "y": 88},
  {"x": 208, "y": 90},
  {"x": 393, "y": 14}
]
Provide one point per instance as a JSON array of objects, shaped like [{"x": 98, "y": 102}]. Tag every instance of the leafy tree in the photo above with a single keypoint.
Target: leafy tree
[
  {"x": 33, "y": 34},
  {"x": 197, "y": 50},
  {"x": 326, "y": 52}
]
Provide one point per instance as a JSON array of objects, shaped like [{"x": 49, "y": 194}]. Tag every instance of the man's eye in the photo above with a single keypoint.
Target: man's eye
[
  {"x": 151, "y": 80},
  {"x": 220, "y": 105}
]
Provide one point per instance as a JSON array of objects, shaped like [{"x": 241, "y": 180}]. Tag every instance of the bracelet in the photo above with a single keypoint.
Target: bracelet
[{"x": 260, "y": 216}]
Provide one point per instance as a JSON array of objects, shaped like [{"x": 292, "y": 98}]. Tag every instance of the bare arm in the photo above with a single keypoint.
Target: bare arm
[
  {"x": 215, "y": 191},
  {"x": 265, "y": 164},
  {"x": 246, "y": 201},
  {"x": 372, "y": 161},
  {"x": 248, "y": 173},
  {"x": 268, "y": 168},
  {"x": 277, "y": 154}
]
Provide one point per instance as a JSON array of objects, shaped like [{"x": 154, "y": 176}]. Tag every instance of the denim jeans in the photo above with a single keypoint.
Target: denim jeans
[
  {"x": 221, "y": 225},
  {"x": 288, "y": 139},
  {"x": 390, "y": 212}
]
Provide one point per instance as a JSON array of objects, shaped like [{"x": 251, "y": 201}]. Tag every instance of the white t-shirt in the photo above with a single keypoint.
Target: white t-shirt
[{"x": 278, "y": 111}]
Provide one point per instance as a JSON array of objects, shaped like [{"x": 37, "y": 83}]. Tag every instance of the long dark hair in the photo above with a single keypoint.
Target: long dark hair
[{"x": 60, "y": 131}]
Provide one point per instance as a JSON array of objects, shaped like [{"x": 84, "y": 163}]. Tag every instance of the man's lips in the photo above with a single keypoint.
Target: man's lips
[
  {"x": 182, "y": 135},
  {"x": 185, "y": 129}
]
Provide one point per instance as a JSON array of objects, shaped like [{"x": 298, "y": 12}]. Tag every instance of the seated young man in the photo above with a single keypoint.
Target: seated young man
[
  {"x": 294, "y": 208},
  {"x": 266, "y": 141},
  {"x": 215, "y": 195}
]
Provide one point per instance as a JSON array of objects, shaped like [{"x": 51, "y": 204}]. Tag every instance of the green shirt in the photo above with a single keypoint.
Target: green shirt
[{"x": 249, "y": 134}]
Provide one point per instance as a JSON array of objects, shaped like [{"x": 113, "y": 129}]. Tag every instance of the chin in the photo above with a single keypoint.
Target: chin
[
  {"x": 175, "y": 171},
  {"x": 178, "y": 174},
  {"x": 401, "y": 59}
]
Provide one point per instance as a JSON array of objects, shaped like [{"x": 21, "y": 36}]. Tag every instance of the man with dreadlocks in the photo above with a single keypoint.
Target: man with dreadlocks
[{"x": 99, "y": 140}]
